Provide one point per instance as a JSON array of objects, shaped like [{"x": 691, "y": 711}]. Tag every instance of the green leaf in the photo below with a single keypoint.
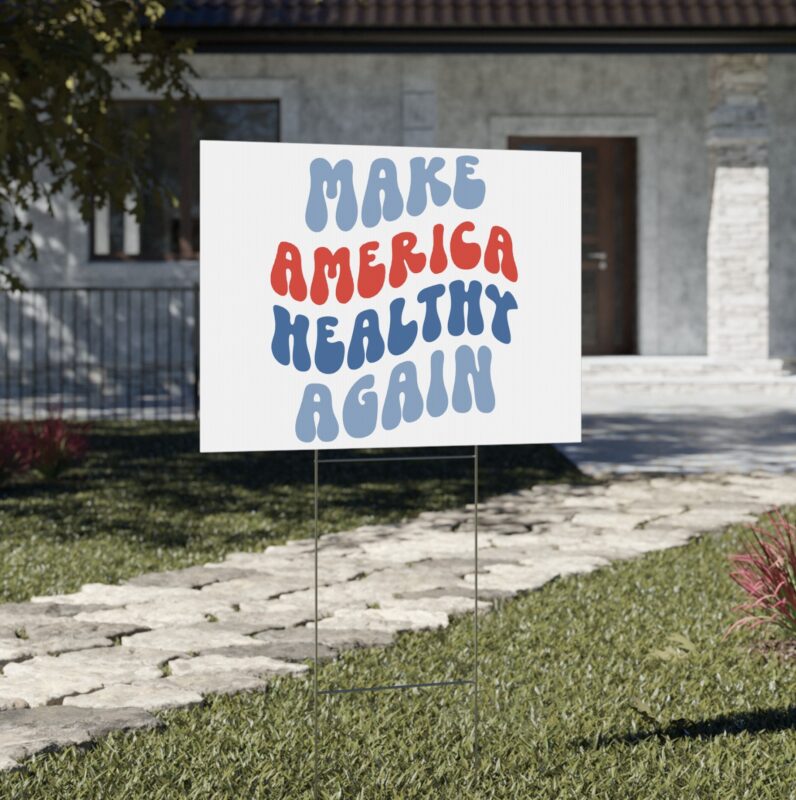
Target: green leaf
[
  {"x": 680, "y": 648},
  {"x": 682, "y": 641},
  {"x": 61, "y": 62},
  {"x": 11, "y": 282}
]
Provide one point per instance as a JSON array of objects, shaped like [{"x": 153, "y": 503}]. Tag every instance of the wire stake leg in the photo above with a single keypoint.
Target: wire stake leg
[
  {"x": 475, "y": 615},
  {"x": 315, "y": 666}
]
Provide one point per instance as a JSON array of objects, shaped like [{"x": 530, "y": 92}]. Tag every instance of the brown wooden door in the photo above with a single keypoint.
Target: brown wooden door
[{"x": 608, "y": 236}]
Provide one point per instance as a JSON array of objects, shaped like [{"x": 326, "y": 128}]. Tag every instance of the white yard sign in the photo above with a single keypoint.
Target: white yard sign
[{"x": 388, "y": 297}]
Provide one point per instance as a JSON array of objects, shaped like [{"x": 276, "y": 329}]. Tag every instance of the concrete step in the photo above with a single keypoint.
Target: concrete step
[
  {"x": 709, "y": 383},
  {"x": 689, "y": 375},
  {"x": 748, "y": 388},
  {"x": 681, "y": 367}
]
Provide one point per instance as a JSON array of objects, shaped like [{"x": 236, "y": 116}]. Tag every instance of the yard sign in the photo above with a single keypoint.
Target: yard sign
[{"x": 388, "y": 297}]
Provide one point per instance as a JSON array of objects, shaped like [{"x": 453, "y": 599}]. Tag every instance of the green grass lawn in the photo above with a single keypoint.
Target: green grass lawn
[
  {"x": 563, "y": 671},
  {"x": 146, "y": 499},
  {"x": 574, "y": 701}
]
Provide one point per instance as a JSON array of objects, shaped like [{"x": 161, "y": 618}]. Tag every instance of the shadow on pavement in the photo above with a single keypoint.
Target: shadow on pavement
[{"x": 690, "y": 441}]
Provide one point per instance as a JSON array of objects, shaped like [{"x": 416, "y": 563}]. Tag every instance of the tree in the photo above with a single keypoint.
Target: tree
[{"x": 59, "y": 127}]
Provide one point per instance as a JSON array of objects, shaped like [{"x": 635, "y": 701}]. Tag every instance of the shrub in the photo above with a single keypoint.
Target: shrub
[
  {"x": 15, "y": 450},
  {"x": 766, "y": 571},
  {"x": 55, "y": 446}
]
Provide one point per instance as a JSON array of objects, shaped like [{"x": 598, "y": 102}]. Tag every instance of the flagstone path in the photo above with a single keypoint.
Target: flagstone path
[{"x": 77, "y": 666}]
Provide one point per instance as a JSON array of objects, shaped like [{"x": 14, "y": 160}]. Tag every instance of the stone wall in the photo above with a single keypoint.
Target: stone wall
[
  {"x": 737, "y": 253},
  {"x": 782, "y": 214}
]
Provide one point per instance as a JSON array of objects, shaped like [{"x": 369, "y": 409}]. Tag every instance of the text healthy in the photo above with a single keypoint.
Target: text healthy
[{"x": 454, "y": 305}]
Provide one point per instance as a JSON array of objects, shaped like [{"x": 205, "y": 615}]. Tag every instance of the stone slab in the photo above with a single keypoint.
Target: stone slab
[
  {"x": 190, "y": 577},
  {"x": 342, "y": 639},
  {"x": 115, "y": 595},
  {"x": 613, "y": 520},
  {"x": 375, "y": 588},
  {"x": 461, "y": 589},
  {"x": 190, "y": 609},
  {"x": 452, "y": 605},
  {"x": 58, "y": 635},
  {"x": 46, "y": 680},
  {"x": 190, "y": 639},
  {"x": 217, "y": 663},
  {"x": 299, "y": 649},
  {"x": 8, "y": 703},
  {"x": 259, "y": 615},
  {"x": 7, "y": 763},
  {"x": 77, "y": 627},
  {"x": 28, "y": 731},
  {"x": 16, "y": 615},
  {"x": 261, "y": 587},
  {"x": 209, "y": 683},
  {"x": 154, "y": 695},
  {"x": 14, "y": 650},
  {"x": 388, "y": 620},
  {"x": 53, "y": 645}
]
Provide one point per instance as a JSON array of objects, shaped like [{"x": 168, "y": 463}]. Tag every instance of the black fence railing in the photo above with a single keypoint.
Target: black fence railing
[{"x": 99, "y": 353}]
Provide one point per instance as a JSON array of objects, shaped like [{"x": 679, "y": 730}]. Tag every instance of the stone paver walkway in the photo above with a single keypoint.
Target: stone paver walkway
[{"x": 76, "y": 666}]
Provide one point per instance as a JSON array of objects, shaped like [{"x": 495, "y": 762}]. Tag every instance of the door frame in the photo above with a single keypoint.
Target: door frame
[
  {"x": 627, "y": 153},
  {"x": 643, "y": 128}
]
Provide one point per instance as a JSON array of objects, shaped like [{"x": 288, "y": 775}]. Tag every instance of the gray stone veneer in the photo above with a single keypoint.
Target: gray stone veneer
[{"x": 737, "y": 253}]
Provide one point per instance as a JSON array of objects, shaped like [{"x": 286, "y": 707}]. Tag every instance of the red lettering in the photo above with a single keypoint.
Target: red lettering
[
  {"x": 287, "y": 258},
  {"x": 465, "y": 255},
  {"x": 499, "y": 253},
  {"x": 403, "y": 245},
  {"x": 338, "y": 265},
  {"x": 371, "y": 276},
  {"x": 438, "y": 260},
  {"x": 287, "y": 276}
]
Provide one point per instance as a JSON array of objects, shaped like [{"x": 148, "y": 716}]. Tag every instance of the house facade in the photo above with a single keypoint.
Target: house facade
[{"x": 684, "y": 112}]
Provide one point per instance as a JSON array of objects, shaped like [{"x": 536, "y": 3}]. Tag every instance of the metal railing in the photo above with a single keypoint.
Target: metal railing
[{"x": 99, "y": 353}]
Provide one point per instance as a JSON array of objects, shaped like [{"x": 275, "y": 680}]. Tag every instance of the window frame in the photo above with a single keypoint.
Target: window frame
[{"x": 186, "y": 253}]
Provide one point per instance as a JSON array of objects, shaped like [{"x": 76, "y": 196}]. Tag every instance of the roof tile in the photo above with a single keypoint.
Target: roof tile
[{"x": 539, "y": 14}]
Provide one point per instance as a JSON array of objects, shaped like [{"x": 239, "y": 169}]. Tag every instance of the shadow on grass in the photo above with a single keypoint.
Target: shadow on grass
[
  {"x": 768, "y": 720},
  {"x": 158, "y": 466},
  {"x": 157, "y": 455}
]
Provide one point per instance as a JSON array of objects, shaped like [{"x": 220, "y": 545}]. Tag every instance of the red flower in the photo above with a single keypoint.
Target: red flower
[{"x": 55, "y": 446}]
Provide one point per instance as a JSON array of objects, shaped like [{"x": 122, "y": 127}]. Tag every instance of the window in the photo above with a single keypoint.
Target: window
[{"x": 165, "y": 233}]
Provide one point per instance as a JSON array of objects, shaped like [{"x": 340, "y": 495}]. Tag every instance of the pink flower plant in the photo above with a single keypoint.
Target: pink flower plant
[{"x": 766, "y": 571}]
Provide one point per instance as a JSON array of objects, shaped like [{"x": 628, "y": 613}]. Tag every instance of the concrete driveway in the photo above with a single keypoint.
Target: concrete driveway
[{"x": 693, "y": 432}]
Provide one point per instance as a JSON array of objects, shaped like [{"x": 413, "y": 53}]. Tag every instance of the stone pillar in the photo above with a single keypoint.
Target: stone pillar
[{"x": 737, "y": 251}]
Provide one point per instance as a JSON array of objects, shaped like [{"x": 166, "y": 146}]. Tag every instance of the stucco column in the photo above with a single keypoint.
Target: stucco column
[{"x": 737, "y": 251}]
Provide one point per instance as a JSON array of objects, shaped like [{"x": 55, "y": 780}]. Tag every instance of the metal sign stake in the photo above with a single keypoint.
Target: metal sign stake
[{"x": 471, "y": 682}]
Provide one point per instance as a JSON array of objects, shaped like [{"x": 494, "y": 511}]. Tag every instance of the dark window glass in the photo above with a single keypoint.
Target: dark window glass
[{"x": 163, "y": 231}]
